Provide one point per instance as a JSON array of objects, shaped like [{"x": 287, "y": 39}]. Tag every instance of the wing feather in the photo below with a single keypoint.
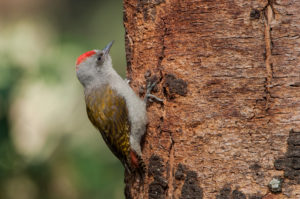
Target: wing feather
[{"x": 108, "y": 112}]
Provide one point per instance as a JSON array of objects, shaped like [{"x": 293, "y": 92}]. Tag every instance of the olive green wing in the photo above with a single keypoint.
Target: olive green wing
[{"x": 108, "y": 112}]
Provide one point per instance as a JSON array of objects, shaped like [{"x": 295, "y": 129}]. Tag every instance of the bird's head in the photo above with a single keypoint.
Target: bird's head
[{"x": 93, "y": 64}]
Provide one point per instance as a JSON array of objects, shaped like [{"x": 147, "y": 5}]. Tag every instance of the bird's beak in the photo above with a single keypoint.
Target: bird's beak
[{"x": 107, "y": 47}]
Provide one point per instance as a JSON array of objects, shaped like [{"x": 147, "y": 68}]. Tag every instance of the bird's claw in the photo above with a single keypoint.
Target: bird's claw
[{"x": 149, "y": 96}]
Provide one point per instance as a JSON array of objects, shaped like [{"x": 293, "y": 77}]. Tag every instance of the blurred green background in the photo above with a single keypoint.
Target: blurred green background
[{"x": 48, "y": 148}]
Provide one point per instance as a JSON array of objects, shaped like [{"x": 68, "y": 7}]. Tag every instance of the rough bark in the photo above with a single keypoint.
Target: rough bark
[{"x": 228, "y": 71}]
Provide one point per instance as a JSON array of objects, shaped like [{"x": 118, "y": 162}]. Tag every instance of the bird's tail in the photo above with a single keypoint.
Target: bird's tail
[
  {"x": 142, "y": 166},
  {"x": 137, "y": 163}
]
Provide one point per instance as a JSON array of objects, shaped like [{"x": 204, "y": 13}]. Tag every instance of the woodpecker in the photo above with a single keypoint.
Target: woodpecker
[{"x": 113, "y": 107}]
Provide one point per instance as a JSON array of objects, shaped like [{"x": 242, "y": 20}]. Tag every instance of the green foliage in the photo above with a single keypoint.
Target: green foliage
[{"x": 48, "y": 148}]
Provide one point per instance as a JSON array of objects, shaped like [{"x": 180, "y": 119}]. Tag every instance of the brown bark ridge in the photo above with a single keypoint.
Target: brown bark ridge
[{"x": 229, "y": 75}]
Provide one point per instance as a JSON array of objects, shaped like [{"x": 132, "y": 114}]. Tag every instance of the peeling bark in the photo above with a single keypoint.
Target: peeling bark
[{"x": 229, "y": 74}]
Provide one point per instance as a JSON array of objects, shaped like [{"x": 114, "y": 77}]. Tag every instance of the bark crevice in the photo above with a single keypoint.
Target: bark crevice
[
  {"x": 171, "y": 167},
  {"x": 269, "y": 15},
  {"x": 163, "y": 47}
]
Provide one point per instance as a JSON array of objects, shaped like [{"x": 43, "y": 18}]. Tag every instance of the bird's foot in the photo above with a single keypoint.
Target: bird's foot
[{"x": 149, "y": 96}]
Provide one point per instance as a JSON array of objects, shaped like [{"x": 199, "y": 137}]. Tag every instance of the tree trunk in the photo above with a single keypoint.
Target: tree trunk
[{"x": 229, "y": 75}]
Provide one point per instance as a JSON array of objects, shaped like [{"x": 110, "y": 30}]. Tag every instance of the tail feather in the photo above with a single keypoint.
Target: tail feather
[
  {"x": 142, "y": 167},
  {"x": 137, "y": 163}
]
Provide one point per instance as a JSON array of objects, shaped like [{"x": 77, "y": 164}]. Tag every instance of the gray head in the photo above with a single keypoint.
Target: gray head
[{"x": 92, "y": 65}]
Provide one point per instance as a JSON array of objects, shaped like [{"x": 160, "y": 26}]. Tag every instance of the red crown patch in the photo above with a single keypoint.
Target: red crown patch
[{"x": 85, "y": 55}]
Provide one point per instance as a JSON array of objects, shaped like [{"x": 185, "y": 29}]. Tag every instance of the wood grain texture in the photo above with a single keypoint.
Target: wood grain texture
[{"x": 229, "y": 74}]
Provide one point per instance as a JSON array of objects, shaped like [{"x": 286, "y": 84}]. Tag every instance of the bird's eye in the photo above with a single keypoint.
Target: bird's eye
[{"x": 100, "y": 57}]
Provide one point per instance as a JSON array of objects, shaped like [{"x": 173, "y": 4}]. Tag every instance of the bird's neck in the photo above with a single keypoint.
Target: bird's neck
[{"x": 102, "y": 78}]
